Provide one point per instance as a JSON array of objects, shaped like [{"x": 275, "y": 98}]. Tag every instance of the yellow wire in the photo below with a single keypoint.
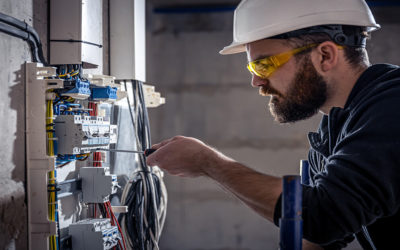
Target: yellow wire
[
  {"x": 49, "y": 120},
  {"x": 74, "y": 74},
  {"x": 52, "y": 207},
  {"x": 51, "y": 174}
]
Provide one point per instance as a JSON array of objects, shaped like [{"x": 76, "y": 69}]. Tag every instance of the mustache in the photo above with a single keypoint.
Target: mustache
[{"x": 267, "y": 90}]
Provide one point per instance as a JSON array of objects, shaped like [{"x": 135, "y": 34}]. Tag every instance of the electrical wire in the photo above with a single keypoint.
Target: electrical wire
[
  {"x": 52, "y": 194},
  {"x": 145, "y": 194},
  {"x": 20, "y": 29},
  {"x": 106, "y": 206}
]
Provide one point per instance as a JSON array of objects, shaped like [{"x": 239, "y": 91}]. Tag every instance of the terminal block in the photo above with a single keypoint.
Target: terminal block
[
  {"x": 101, "y": 80},
  {"x": 104, "y": 94},
  {"x": 151, "y": 97},
  {"x": 76, "y": 88},
  {"x": 97, "y": 184},
  {"x": 79, "y": 134},
  {"x": 93, "y": 234}
]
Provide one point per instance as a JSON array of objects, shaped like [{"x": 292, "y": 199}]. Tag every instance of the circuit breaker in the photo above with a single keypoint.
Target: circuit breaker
[
  {"x": 79, "y": 134},
  {"x": 95, "y": 234},
  {"x": 97, "y": 184}
]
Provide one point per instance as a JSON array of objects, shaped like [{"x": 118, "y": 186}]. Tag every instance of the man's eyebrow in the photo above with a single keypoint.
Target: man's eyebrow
[{"x": 261, "y": 57}]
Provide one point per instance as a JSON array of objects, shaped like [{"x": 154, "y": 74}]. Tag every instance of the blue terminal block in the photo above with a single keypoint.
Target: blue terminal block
[
  {"x": 291, "y": 222},
  {"x": 77, "y": 88},
  {"x": 106, "y": 93}
]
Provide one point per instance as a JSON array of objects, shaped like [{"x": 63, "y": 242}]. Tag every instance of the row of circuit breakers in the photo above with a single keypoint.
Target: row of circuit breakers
[
  {"x": 77, "y": 129},
  {"x": 80, "y": 130}
]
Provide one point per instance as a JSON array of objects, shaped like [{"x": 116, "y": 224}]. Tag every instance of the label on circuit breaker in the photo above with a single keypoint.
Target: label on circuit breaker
[{"x": 77, "y": 134}]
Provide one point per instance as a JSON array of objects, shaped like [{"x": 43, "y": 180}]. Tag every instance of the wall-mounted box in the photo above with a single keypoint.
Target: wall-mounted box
[
  {"x": 76, "y": 32},
  {"x": 128, "y": 39}
]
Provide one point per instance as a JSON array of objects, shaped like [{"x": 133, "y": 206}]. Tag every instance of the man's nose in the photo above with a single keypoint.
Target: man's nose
[{"x": 258, "y": 81}]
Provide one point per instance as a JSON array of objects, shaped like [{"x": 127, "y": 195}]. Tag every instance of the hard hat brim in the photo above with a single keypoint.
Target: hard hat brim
[{"x": 233, "y": 48}]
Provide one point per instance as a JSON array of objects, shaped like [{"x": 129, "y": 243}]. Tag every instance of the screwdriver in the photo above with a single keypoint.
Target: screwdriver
[{"x": 147, "y": 152}]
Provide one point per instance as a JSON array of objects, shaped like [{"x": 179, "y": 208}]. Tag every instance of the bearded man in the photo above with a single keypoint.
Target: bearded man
[{"x": 310, "y": 56}]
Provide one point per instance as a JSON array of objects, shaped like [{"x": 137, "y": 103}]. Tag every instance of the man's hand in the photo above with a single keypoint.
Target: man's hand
[{"x": 185, "y": 156}]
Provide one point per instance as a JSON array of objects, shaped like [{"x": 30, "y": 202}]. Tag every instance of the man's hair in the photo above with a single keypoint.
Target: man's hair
[{"x": 355, "y": 56}]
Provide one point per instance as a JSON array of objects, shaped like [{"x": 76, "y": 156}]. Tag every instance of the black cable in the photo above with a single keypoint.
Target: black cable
[
  {"x": 76, "y": 41},
  {"x": 29, "y": 29},
  {"x": 145, "y": 183},
  {"x": 20, "y": 25},
  {"x": 9, "y": 30},
  {"x": 17, "y": 28}
]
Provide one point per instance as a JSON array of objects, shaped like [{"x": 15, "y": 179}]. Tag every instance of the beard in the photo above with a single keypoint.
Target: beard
[{"x": 306, "y": 94}]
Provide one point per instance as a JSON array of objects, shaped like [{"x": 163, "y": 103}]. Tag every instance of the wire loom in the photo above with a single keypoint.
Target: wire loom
[{"x": 145, "y": 194}]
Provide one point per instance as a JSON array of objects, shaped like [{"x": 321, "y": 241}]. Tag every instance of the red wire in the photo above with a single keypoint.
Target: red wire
[
  {"x": 116, "y": 222},
  {"x": 99, "y": 159},
  {"x": 108, "y": 214},
  {"x": 97, "y": 163}
]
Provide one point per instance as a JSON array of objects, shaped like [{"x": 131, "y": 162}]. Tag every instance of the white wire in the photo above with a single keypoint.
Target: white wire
[{"x": 159, "y": 211}]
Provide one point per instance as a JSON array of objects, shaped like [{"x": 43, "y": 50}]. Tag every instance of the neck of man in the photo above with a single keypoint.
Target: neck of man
[{"x": 340, "y": 85}]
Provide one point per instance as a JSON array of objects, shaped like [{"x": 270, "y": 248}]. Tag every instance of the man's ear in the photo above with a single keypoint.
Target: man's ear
[{"x": 326, "y": 56}]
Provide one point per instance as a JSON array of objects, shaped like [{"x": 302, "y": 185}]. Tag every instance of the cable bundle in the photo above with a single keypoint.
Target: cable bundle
[
  {"x": 145, "y": 194},
  {"x": 17, "y": 28}
]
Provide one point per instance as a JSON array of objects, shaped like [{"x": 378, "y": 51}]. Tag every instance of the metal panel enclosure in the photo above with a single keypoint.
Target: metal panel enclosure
[{"x": 76, "y": 32}]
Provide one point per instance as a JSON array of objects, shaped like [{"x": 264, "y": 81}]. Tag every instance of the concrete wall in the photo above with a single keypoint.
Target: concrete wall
[
  {"x": 13, "y": 53},
  {"x": 209, "y": 97}
]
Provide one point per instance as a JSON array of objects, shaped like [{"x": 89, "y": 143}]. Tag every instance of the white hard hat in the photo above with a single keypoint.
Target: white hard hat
[{"x": 258, "y": 19}]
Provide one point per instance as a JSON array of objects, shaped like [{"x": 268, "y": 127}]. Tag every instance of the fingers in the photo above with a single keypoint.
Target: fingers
[
  {"x": 165, "y": 142},
  {"x": 181, "y": 156},
  {"x": 151, "y": 160}
]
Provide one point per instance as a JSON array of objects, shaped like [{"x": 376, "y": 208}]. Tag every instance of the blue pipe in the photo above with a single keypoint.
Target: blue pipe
[
  {"x": 305, "y": 172},
  {"x": 291, "y": 223}
]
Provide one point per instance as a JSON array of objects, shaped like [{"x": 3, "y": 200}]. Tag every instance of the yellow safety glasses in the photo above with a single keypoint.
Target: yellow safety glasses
[{"x": 264, "y": 67}]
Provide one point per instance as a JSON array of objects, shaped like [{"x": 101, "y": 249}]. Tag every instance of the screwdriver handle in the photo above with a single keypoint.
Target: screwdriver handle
[{"x": 149, "y": 151}]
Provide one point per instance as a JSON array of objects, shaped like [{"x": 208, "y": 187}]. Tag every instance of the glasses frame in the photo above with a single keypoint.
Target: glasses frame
[{"x": 264, "y": 67}]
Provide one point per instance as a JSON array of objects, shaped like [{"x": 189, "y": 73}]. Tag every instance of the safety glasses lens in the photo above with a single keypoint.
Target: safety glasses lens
[{"x": 260, "y": 69}]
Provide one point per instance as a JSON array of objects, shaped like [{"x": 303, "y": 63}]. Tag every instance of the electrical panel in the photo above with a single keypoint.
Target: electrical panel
[
  {"x": 74, "y": 180},
  {"x": 84, "y": 191}
]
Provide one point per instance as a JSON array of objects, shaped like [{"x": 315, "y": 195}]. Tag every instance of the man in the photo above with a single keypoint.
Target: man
[{"x": 309, "y": 56}]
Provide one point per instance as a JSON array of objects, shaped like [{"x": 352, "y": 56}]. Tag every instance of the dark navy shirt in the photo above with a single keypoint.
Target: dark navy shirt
[{"x": 355, "y": 167}]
